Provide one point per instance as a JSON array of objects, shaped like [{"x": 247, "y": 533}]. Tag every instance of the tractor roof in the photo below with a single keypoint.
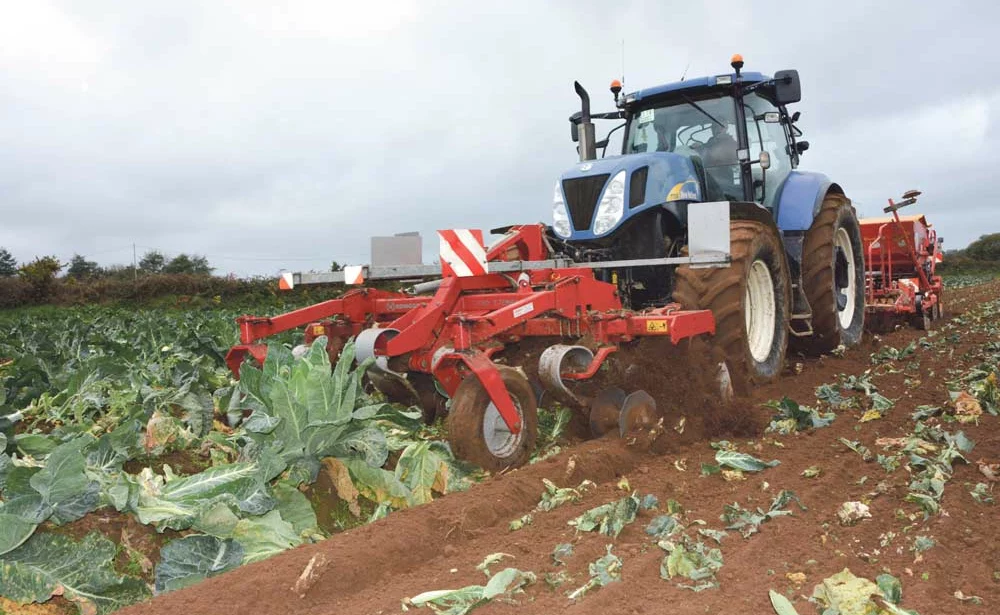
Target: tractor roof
[{"x": 690, "y": 84}]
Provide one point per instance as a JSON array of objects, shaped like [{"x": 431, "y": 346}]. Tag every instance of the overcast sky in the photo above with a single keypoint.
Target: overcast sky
[{"x": 284, "y": 135}]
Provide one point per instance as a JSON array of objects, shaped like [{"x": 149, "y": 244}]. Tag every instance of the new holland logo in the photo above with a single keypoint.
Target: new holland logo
[{"x": 586, "y": 166}]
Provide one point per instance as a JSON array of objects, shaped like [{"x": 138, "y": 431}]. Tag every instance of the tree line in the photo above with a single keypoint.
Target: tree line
[{"x": 152, "y": 262}]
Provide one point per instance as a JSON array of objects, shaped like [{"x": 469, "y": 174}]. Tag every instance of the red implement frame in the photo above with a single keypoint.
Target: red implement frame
[
  {"x": 901, "y": 253},
  {"x": 455, "y": 331}
]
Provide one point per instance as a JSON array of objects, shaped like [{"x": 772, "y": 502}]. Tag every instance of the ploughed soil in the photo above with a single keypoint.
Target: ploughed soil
[{"x": 372, "y": 569}]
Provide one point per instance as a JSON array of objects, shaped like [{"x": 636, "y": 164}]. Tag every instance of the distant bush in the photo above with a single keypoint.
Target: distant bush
[
  {"x": 40, "y": 274},
  {"x": 15, "y": 292},
  {"x": 986, "y": 248},
  {"x": 120, "y": 287}
]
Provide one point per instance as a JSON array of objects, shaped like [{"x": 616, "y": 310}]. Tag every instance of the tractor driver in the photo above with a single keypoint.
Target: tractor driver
[{"x": 721, "y": 148}]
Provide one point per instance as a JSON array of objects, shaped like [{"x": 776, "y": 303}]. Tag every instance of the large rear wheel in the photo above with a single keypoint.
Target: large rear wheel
[
  {"x": 749, "y": 299},
  {"x": 478, "y": 434},
  {"x": 833, "y": 276}
]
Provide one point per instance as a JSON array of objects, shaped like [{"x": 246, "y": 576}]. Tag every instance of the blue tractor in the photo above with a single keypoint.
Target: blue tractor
[{"x": 796, "y": 271}]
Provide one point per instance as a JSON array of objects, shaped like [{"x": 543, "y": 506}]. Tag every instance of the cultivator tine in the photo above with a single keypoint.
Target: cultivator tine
[{"x": 560, "y": 359}]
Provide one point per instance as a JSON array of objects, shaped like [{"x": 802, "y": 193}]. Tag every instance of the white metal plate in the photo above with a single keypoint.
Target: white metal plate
[{"x": 708, "y": 230}]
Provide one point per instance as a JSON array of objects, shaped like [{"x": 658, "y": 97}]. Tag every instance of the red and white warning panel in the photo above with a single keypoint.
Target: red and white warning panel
[
  {"x": 354, "y": 274},
  {"x": 463, "y": 253},
  {"x": 286, "y": 281}
]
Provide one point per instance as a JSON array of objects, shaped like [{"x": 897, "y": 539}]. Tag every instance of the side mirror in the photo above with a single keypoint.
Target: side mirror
[
  {"x": 574, "y": 126},
  {"x": 786, "y": 87},
  {"x": 801, "y": 146}
]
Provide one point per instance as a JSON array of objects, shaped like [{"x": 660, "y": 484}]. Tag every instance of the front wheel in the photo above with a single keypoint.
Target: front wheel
[
  {"x": 478, "y": 434},
  {"x": 750, "y": 301},
  {"x": 833, "y": 276}
]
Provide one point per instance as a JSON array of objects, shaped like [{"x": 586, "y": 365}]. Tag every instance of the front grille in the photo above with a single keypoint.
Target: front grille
[
  {"x": 582, "y": 194},
  {"x": 637, "y": 187}
]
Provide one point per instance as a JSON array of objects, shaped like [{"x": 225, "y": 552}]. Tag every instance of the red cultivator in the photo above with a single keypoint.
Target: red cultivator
[
  {"x": 450, "y": 336},
  {"x": 902, "y": 253}
]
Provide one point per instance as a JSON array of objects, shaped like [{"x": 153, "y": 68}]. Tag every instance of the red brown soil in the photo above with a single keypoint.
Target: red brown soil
[
  {"x": 371, "y": 569},
  {"x": 139, "y": 544}
]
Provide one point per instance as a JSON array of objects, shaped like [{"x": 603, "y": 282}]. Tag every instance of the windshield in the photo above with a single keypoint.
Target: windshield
[{"x": 704, "y": 130}]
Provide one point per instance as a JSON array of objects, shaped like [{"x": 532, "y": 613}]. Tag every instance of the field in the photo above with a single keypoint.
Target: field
[{"x": 124, "y": 479}]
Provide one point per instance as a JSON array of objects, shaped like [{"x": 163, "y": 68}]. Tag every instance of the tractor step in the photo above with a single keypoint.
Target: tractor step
[{"x": 806, "y": 320}]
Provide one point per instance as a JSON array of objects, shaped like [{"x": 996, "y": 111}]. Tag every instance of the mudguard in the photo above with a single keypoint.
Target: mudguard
[{"x": 800, "y": 198}]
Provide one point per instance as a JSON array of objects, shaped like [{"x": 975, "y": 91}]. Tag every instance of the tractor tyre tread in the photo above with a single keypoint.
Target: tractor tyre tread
[
  {"x": 818, "y": 277},
  {"x": 722, "y": 291}
]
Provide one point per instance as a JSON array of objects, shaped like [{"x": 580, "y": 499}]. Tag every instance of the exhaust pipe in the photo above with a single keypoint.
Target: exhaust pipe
[{"x": 588, "y": 145}]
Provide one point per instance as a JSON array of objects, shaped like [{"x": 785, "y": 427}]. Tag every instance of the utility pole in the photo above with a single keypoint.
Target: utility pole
[{"x": 135, "y": 266}]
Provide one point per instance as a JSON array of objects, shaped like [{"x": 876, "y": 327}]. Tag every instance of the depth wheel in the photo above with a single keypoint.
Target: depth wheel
[
  {"x": 750, "y": 300},
  {"x": 478, "y": 434},
  {"x": 833, "y": 276}
]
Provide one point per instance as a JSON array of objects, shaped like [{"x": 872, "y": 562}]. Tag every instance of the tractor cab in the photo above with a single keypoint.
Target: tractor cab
[{"x": 721, "y": 138}]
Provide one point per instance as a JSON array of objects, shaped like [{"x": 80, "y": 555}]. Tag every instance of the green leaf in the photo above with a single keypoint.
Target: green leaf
[
  {"x": 663, "y": 526},
  {"x": 295, "y": 508},
  {"x": 891, "y": 588},
  {"x": 858, "y": 448},
  {"x": 881, "y": 403},
  {"x": 368, "y": 442},
  {"x": 520, "y": 522},
  {"x": 553, "y": 497},
  {"x": 694, "y": 561},
  {"x": 64, "y": 485},
  {"x": 423, "y": 470},
  {"x": 793, "y": 417},
  {"x": 21, "y": 499},
  {"x": 35, "y": 445},
  {"x": 82, "y": 572},
  {"x": 175, "y": 504},
  {"x": 292, "y": 414},
  {"x": 708, "y": 469},
  {"x": 264, "y": 536},
  {"x": 781, "y": 605},
  {"x": 378, "y": 485},
  {"x": 742, "y": 461},
  {"x": 506, "y": 583},
  {"x": 609, "y": 519},
  {"x": 188, "y": 560},
  {"x": 13, "y": 532},
  {"x": 261, "y": 422},
  {"x": 603, "y": 571}
]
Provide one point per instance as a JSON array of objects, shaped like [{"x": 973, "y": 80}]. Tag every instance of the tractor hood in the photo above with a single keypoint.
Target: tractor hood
[{"x": 600, "y": 195}]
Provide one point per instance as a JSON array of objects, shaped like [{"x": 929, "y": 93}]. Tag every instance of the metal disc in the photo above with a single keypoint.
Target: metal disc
[
  {"x": 638, "y": 413},
  {"x": 605, "y": 410}
]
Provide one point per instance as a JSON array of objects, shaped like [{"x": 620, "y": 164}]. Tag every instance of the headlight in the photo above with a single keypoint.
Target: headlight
[
  {"x": 560, "y": 215},
  {"x": 612, "y": 206}
]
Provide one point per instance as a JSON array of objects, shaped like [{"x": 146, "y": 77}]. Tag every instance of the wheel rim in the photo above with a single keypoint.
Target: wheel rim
[
  {"x": 761, "y": 312},
  {"x": 500, "y": 441},
  {"x": 845, "y": 282}
]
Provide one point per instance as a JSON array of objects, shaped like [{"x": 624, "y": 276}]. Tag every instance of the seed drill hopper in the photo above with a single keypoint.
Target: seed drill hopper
[{"x": 902, "y": 253}]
